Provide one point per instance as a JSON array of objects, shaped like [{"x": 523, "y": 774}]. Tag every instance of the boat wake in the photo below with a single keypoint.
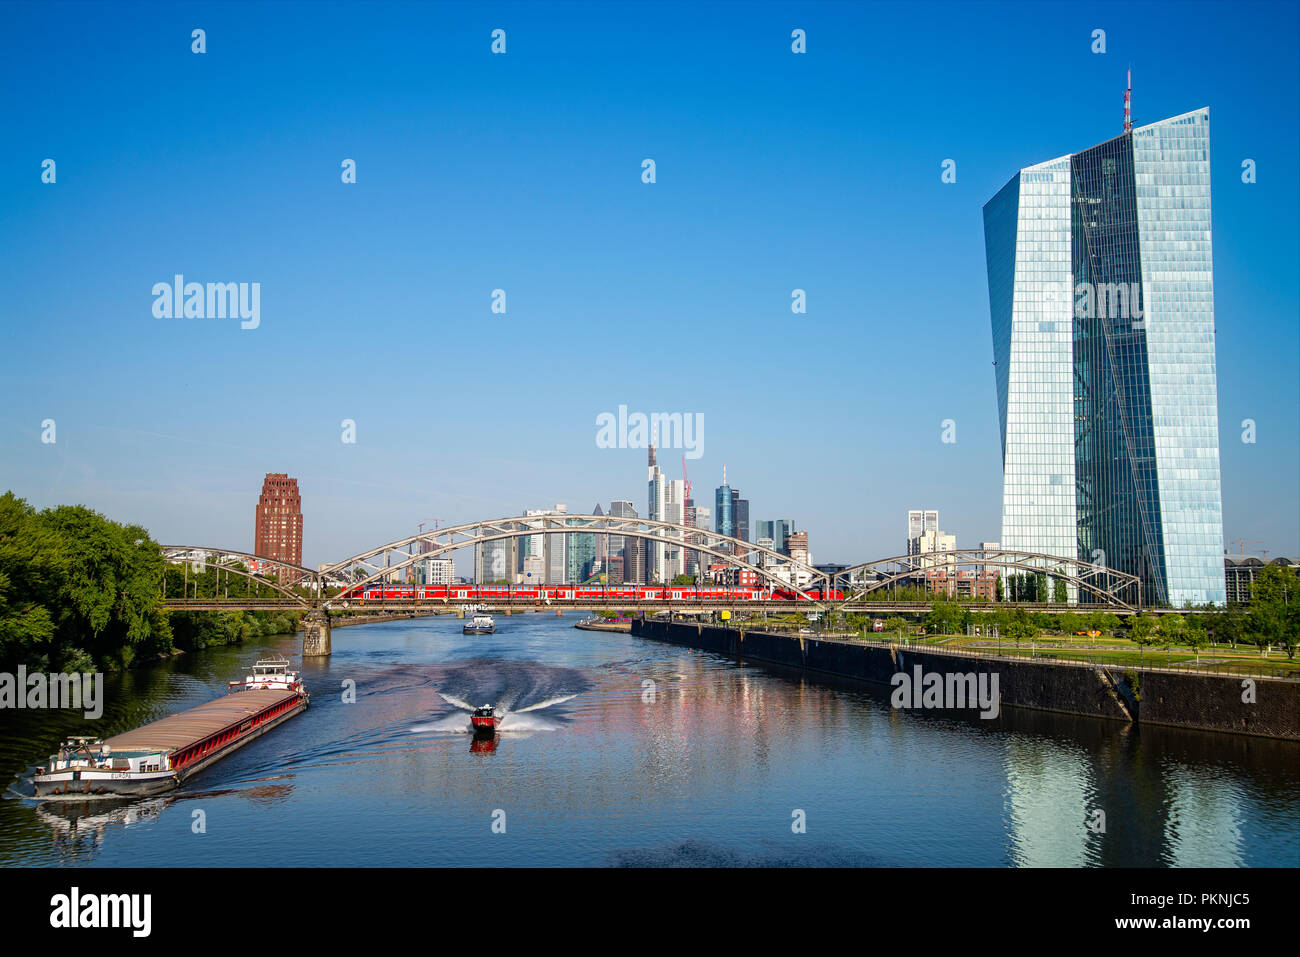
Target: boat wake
[
  {"x": 516, "y": 690},
  {"x": 457, "y": 723}
]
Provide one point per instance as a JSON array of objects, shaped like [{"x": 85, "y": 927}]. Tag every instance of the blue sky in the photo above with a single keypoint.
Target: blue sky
[{"x": 522, "y": 172}]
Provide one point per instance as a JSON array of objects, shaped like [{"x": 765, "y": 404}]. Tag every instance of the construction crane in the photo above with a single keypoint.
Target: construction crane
[{"x": 1241, "y": 543}]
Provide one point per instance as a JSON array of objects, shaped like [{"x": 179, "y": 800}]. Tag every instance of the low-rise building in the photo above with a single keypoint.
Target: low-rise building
[
  {"x": 1239, "y": 573},
  {"x": 962, "y": 585}
]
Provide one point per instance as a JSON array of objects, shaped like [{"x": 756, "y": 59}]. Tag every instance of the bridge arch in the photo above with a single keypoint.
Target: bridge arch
[
  {"x": 1106, "y": 584},
  {"x": 212, "y": 558},
  {"x": 525, "y": 526}
]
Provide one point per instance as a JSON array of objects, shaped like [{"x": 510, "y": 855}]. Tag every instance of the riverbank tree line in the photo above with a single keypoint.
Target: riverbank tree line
[
  {"x": 79, "y": 592},
  {"x": 1270, "y": 620}
]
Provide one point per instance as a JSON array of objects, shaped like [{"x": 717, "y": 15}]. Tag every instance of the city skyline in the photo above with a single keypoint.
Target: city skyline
[
  {"x": 732, "y": 436},
  {"x": 802, "y": 186}
]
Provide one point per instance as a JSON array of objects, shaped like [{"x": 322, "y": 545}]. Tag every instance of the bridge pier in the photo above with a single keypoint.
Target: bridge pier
[{"x": 316, "y": 635}]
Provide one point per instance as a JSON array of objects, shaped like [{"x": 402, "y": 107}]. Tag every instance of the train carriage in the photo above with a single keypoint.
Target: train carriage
[{"x": 487, "y": 594}]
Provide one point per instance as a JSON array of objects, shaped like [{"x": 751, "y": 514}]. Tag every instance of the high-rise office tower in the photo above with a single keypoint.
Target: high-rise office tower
[
  {"x": 580, "y": 552},
  {"x": 634, "y": 553},
  {"x": 691, "y": 517},
  {"x": 924, "y": 536},
  {"x": 550, "y": 547},
  {"x": 777, "y": 530},
  {"x": 723, "y": 517},
  {"x": 657, "y": 494},
  {"x": 920, "y": 521},
  {"x": 674, "y": 511},
  {"x": 277, "y": 525},
  {"x": 740, "y": 516},
  {"x": 602, "y": 540},
  {"x": 1102, "y": 301},
  {"x": 620, "y": 544},
  {"x": 495, "y": 561},
  {"x": 697, "y": 516}
]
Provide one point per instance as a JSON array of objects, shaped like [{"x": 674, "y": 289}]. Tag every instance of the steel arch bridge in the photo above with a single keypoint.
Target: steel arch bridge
[
  {"x": 366, "y": 568},
  {"x": 219, "y": 559},
  {"x": 1108, "y": 586}
]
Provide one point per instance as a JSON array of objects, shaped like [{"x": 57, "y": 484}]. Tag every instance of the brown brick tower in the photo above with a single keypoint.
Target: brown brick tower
[{"x": 278, "y": 530}]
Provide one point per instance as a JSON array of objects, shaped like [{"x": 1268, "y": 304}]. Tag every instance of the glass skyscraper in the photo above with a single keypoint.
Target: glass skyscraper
[
  {"x": 580, "y": 549},
  {"x": 723, "y": 519},
  {"x": 1101, "y": 295}
]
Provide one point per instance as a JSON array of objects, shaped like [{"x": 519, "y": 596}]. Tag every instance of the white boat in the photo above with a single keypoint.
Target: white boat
[
  {"x": 480, "y": 625},
  {"x": 91, "y": 766},
  {"x": 270, "y": 674}
]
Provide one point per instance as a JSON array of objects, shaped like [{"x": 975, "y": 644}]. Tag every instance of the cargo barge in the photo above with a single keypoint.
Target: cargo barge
[{"x": 158, "y": 757}]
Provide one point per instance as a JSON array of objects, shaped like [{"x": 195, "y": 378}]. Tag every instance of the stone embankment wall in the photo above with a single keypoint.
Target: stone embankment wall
[{"x": 1204, "y": 702}]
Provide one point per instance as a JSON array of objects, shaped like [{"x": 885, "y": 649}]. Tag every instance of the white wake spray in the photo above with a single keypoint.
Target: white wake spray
[{"x": 547, "y": 703}]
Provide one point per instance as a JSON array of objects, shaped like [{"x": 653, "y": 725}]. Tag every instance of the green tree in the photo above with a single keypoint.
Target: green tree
[
  {"x": 26, "y": 628},
  {"x": 1225, "y": 625},
  {"x": 1272, "y": 616},
  {"x": 1275, "y": 584},
  {"x": 99, "y": 583},
  {"x": 895, "y": 624},
  {"x": 1171, "y": 630},
  {"x": 945, "y": 618},
  {"x": 1060, "y": 594},
  {"x": 1196, "y": 632},
  {"x": 1020, "y": 626},
  {"x": 1142, "y": 629}
]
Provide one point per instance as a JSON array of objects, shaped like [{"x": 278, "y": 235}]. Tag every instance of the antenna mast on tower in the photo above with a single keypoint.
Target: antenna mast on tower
[{"x": 1128, "y": 93}]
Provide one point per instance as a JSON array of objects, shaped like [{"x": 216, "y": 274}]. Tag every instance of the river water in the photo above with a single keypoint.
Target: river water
[{"x": 622, "y": 751}]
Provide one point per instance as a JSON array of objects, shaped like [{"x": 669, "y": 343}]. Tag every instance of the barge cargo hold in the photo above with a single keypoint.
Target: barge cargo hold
[{"x": 159, "y": 756}]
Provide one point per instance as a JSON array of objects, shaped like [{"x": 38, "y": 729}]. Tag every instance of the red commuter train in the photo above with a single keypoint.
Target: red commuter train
[{"x": 486, "y": 594}]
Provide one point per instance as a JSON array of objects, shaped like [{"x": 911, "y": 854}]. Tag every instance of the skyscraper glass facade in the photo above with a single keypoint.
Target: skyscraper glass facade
[
  {"x": 1101, "y": 300},
  {"x": 740, "y": 516},
  {"x": 724, "y": 522},
  {"x": 581, "y": 550}
]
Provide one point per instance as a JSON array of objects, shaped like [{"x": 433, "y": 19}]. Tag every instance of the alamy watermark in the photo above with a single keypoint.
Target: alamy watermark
[
  {"x": 179, "y": 299},
  {"x": 62, "y": 690},
  {"x": 951, "y": 691},
  {"x": 1109, "y": 300},
  {"x": 673, "y": 430},
  {"x": 127, "y": 911},
  {"x": 1093, "y": 300}
]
